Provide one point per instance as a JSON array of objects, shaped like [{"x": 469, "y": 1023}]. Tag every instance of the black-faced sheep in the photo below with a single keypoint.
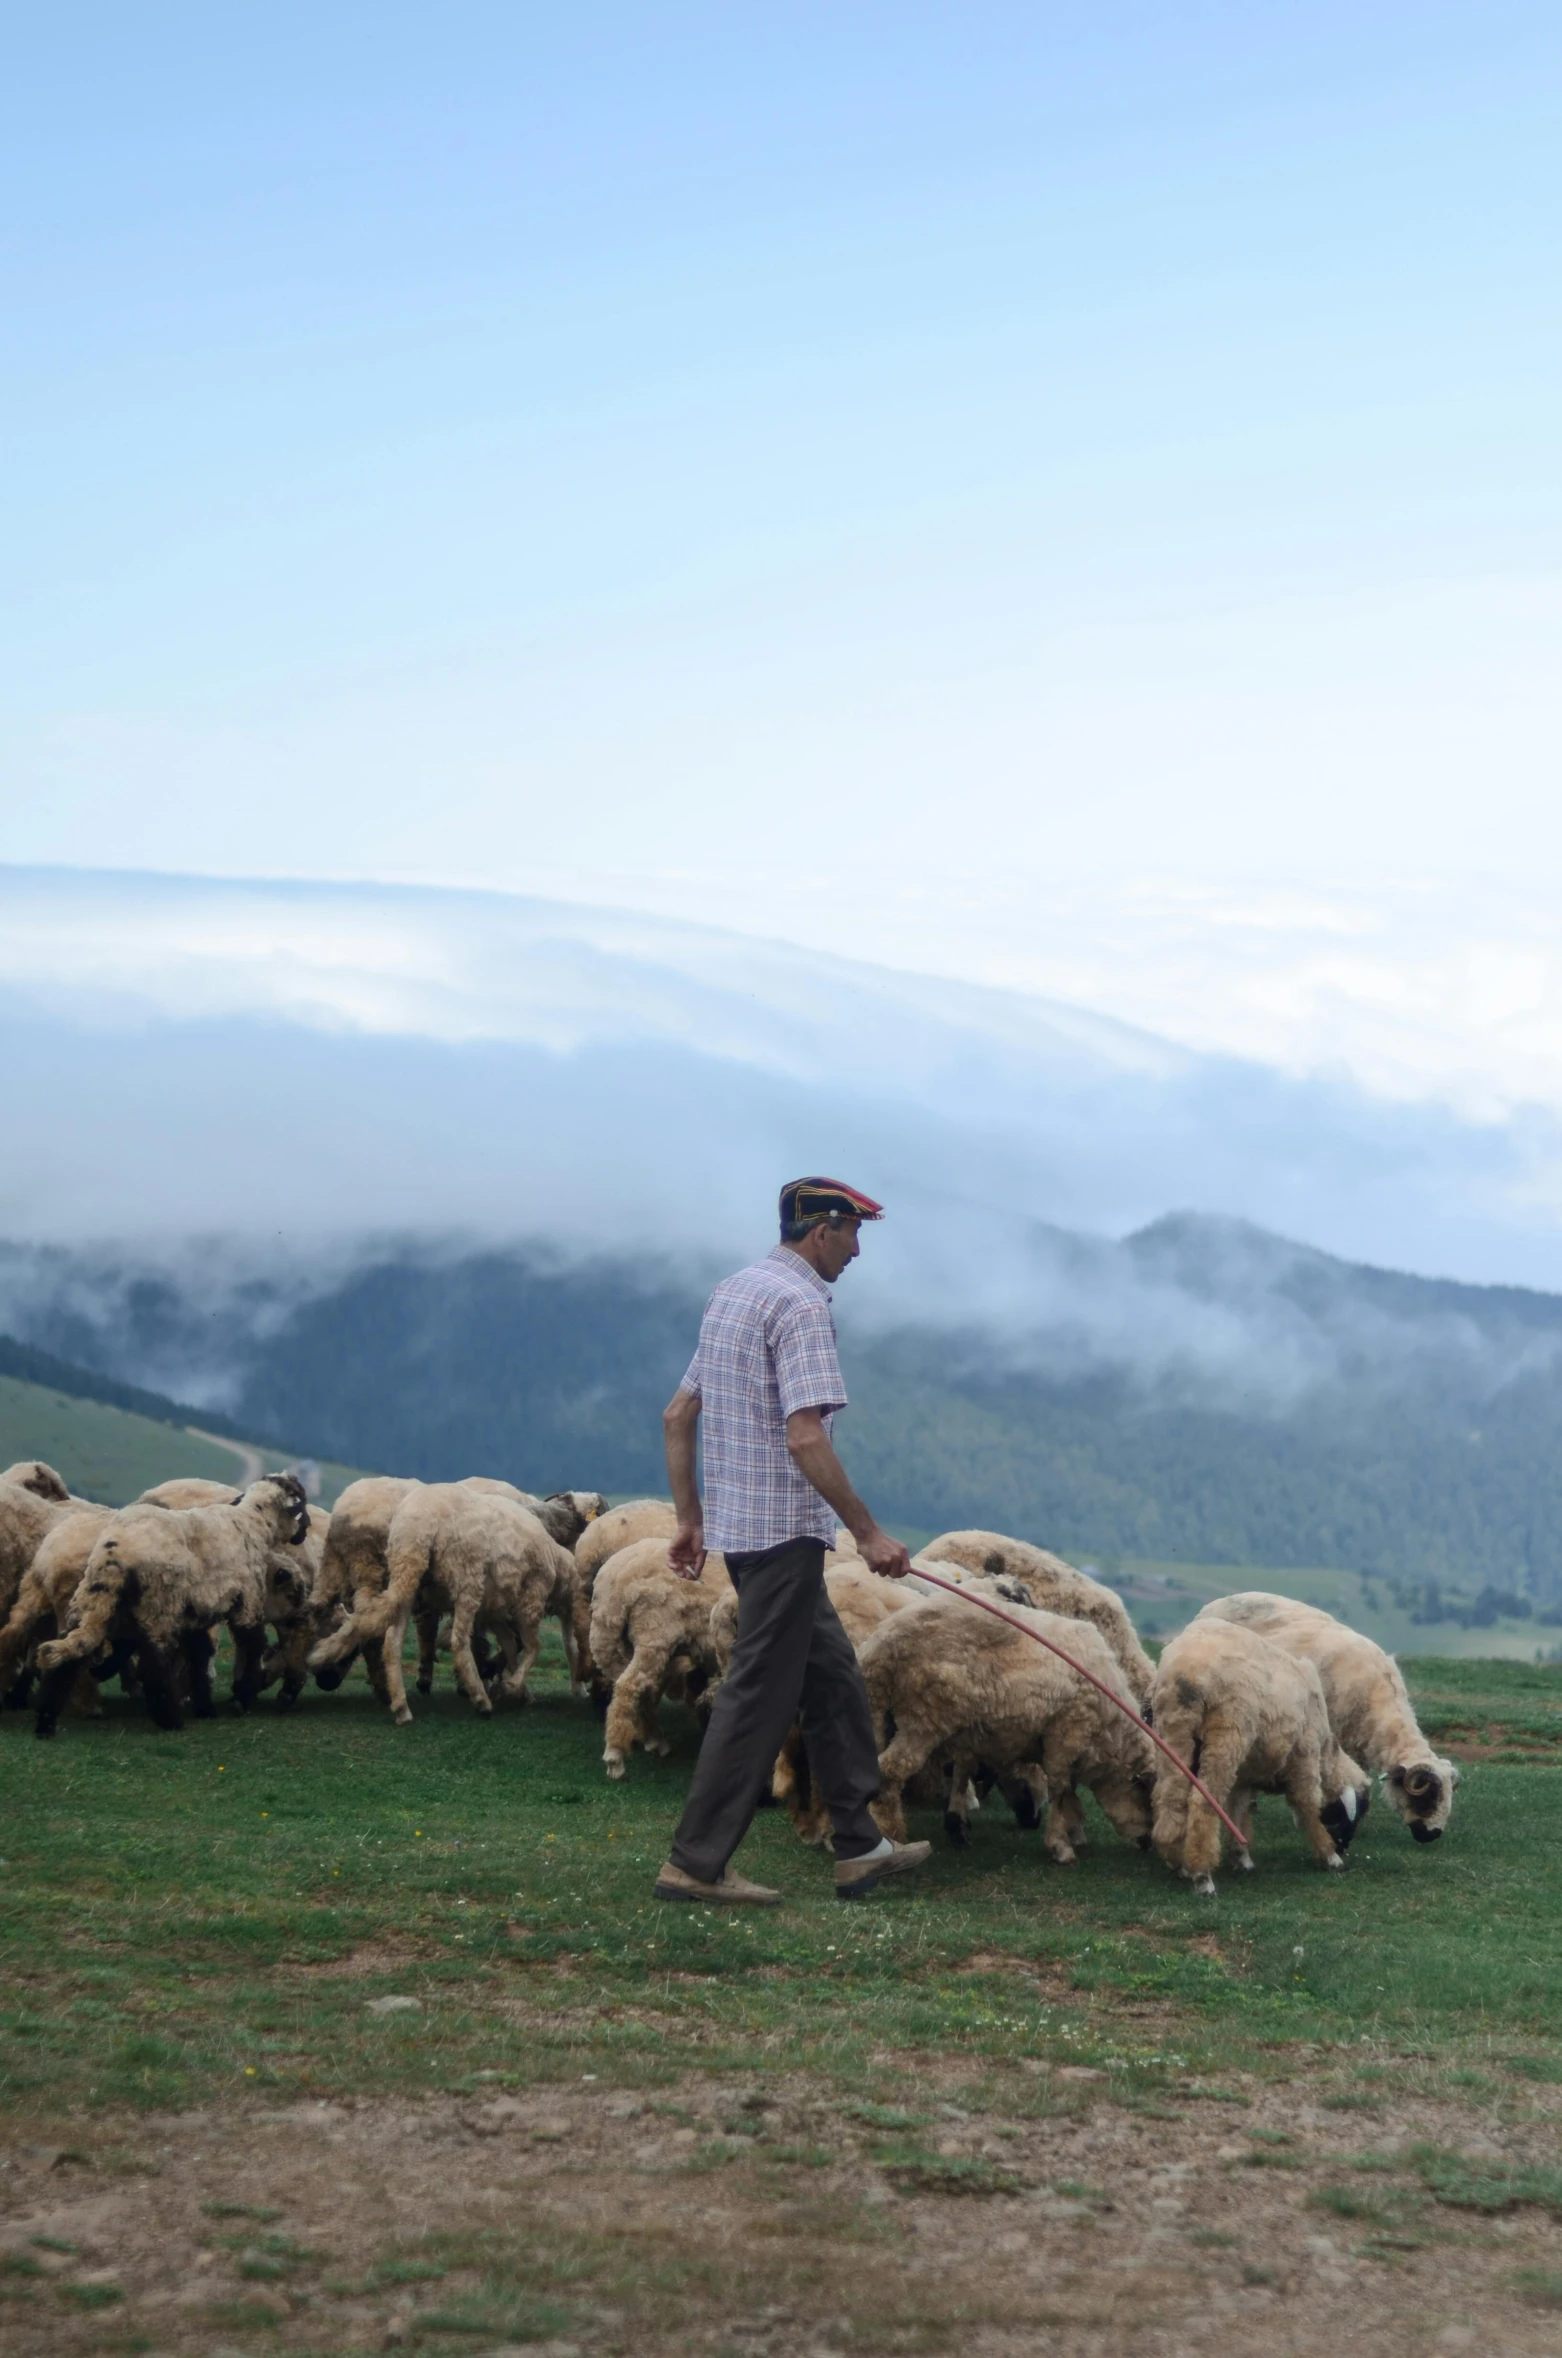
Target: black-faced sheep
[
  {"x": 157, "y": 1581},
  {"x": 1055, "y": 1587},
  {"x": 951, "y": 1681},
  {"x": 1369, "y": 1709},
  {"x": 651, "y": 1635},
  {"x": 487, "y": 1561},
  {"x": 1247, "y": 1717}
]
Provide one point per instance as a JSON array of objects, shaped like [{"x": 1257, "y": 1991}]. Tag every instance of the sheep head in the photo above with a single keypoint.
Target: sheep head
[
  {"x": 1423, "y": 1793},
  {"x": 283, "y": 1500},
  {"x": 577, "y": 1507},
  {"x": 1348, "y": 1794}
]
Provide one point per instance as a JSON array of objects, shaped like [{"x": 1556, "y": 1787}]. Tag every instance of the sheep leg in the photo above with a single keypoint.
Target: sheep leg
[
  {"x": 54, "y": 1687},
  {"x": 963, "y": 1774},
  {"x": 428, "y": 1647},
  {"x": 249, "y": 1649},
  {"x": 1240, "y": 1808},
  {"x": 1220, "y": 1765},
  {"x": 898, "y": 1764},
  {"x": 196, "y": 1647},
  {"x": 391, "y": 1644},
  {"x": 631, "y": 1714},
  {"x": 158, "y": 1689},
  {"x": 462, "y": 1623},
  {"x": 1302, "y": 1786},
  {"x": 527, "y": 1651},
  {"x": 792, "y": 1784},
  {"x": 287, "y": 1662},
  {"x": 1026, "y": 1790},
  {"x": 651, "y": 1733}
]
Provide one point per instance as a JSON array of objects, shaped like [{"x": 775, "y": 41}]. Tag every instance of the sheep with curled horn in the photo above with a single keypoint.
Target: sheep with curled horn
[
  {"x": 1369, "y": 1708},
  {"x": 156, "y": 1583}
]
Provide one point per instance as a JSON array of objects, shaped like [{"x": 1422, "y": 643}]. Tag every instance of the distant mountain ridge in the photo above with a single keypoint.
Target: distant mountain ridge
[{"x": 1205, "y": 1391}]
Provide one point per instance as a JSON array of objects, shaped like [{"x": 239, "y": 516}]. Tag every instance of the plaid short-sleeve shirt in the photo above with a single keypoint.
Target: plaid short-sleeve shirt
[{"x": 767, "y": 1347}]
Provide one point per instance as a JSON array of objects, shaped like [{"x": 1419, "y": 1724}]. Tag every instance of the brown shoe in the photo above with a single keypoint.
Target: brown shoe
[
  {"x": 855, "y": 1878},
  {"x": 732, "y": 1891}
]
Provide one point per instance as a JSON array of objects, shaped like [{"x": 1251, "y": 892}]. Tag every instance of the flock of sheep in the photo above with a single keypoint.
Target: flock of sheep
[{"x": 1257, "y": 1695}]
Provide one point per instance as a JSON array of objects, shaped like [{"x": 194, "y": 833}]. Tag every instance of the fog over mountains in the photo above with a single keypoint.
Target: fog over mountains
[{"x": 432, "y": 1180}]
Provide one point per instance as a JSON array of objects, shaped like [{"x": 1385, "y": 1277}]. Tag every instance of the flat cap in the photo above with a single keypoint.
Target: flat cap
[{"x": 805, "y": 1201}]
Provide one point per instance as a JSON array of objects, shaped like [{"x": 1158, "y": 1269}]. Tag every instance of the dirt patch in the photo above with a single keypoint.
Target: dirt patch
[
  {"x": 778, "y": 2216},
  {"x": 362, "y": 1964}
]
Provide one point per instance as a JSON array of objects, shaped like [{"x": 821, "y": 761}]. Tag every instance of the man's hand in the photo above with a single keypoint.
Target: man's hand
[
  {"x": 686, "y": 1551},
  {"x": 883, "y": 1555}
]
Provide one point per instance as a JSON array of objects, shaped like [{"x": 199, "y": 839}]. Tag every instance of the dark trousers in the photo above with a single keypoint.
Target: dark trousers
[{"x": 792, "y": 1660}]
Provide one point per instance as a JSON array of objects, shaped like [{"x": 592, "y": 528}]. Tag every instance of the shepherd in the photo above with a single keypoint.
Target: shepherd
[{"x": 767, "y": 1382}]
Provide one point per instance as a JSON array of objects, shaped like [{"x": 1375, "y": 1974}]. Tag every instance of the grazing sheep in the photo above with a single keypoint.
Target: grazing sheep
[
  {"x": 485, "y": 1559},
  {"x": 1369, "y": 1709},
  {"x": 354, "y": 1569},
  {"x": 1248, "y": 1718},
  {"x": 650, "y": 1635},
  {"x": 38, "y": 1613},
  {"x": 1055, "y": 1587},
  {"x": 33, "y": 1498},
  {"x": 607, "y": 1535},
  {"x": 951, "y": 1680},
  {"x": 157, "y": 1580}
]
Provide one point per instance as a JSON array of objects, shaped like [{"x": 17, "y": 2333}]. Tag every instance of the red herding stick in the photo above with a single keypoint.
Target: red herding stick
[{"x": 953, "y": 1588}]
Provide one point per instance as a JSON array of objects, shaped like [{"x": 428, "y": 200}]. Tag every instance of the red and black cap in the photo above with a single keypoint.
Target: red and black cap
[{"x": 805, "y": 1202}]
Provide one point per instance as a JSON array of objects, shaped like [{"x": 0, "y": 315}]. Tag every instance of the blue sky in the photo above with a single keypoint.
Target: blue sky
[{"x": 1063, "y": 497}]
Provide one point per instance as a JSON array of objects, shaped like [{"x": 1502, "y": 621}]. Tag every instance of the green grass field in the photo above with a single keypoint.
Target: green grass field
[
  {"x": 172, "y": 1885},
  {"x": 204, "y": 1920},
  {"x": 109, "y": 1454}
]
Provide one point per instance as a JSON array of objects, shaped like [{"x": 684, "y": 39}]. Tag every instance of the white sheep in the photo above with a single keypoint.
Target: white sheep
[
  {"x": 1247, "y": 1717},
  {"x": 651, "y": 1635},
  {"x": 1051, "y": 1585},
  {"x": 951, "y": 1681},
  {"x": 487, "y": 1561},
  {"x": 1369, "y": 1708},
  {"x": 157, "y": 1581}
]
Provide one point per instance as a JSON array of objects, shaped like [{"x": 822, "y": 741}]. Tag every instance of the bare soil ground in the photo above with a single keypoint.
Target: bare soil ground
[{"x": 775, "y": 2219}]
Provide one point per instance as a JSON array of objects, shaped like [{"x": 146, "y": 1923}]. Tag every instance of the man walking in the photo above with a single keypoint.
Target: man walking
[{"x": 768, "y": 1383}]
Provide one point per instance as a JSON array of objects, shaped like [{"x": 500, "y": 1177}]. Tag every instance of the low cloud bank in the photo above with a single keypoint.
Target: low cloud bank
[{"x": 310, "y": 1077}]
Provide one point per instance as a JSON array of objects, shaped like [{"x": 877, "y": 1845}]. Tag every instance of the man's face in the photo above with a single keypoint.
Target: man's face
[{"x": 835, "y": 1247}]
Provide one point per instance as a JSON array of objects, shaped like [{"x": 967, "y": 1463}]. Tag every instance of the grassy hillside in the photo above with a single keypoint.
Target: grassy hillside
[
  {"x": 111, "y": 1454},
  {"x": 1163, "y": 1596}
]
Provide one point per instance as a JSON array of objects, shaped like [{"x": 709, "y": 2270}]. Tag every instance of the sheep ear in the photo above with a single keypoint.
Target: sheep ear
[{"x": 1451, "y": 1771}]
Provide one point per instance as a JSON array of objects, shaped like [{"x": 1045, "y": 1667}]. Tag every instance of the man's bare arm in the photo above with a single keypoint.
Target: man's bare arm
[
  {"x": 680, "y": 1424},
  {"x": 813, "y": 1453}
]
